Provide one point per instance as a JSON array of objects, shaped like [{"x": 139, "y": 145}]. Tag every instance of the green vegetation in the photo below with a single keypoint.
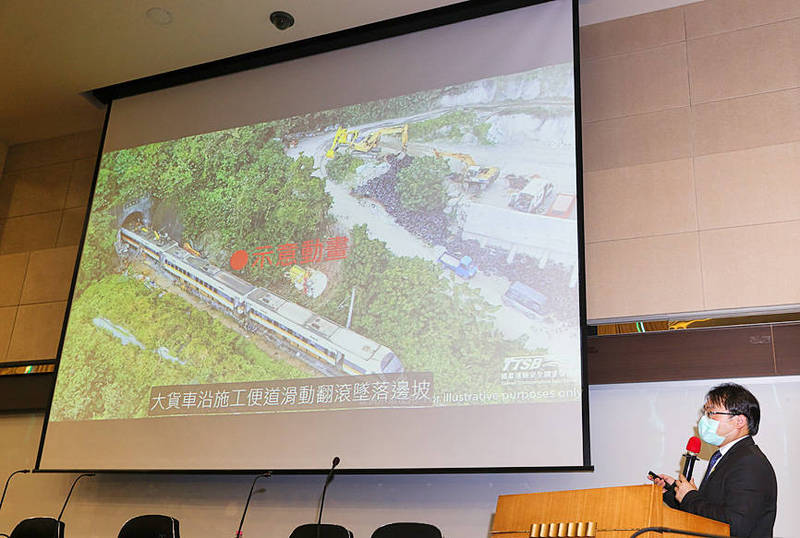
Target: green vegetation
[
  {"x": 342, "y": 168},
  {"x": 234, "y": 189},
  {"x": 451, "y": 125},
  {"x": 98, "y": 257},
  {"x": 101, "y": 378},
  {"x": 421, "y": 185},
  {"x": 431, "y": 323},
  {"x": 358, "y": 114},
  {"x": 481, "y": 132}
]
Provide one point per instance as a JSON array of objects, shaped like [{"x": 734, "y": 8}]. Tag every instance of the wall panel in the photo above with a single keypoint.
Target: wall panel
[
  {"x": 45, "y": 189},
  {"x": 631, "y": 34},
  {"x": 632, "y": 275},
  {"x": 739, "y": 135},
  {"x": 621, "y": 85},
  {"x": 751, "y": 265},
  {"x": 747, "y": 122},
  {"x": 657, "y": 198},
  {"x": 753, "y": 186},
  {"x": 718, "y": 16},
  {"x": 745, "y": 62},
  {"x": 640, "y": 139}
]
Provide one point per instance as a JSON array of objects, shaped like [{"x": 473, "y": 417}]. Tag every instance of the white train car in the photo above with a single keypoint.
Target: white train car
[
  {"x": 320, "y": 337},
  {"x": 210, "y": 280},
  {"x": 150, "y": 247},
  {"x": 303, "y": 329}
]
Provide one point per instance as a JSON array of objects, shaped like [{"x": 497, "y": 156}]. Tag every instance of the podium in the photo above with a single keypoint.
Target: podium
[{"x": 605, "y": 513}]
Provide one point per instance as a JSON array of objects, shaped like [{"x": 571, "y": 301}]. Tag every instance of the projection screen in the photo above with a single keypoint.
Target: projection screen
[{"x": 370, "y": 253}]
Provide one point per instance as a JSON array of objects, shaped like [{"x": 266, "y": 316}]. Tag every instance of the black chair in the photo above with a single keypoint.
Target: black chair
[
  {"x": 326, "y": 530},
  {"x": 39, "y": 527},
  {"x": 407, "y": 530},
  {"x": 150, "y": 527}
]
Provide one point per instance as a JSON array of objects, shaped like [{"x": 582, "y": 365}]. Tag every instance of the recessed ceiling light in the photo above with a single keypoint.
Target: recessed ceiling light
[{"x": 159, "y": 16}]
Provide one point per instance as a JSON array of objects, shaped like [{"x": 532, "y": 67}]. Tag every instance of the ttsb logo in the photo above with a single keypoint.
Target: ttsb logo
[{"x": 522, "y": 364}]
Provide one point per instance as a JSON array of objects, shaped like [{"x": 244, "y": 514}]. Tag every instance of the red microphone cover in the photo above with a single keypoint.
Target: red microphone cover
[{"x": 693, "y": 445}]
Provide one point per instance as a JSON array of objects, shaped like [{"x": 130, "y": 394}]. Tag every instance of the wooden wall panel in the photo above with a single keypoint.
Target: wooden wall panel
[
  {"x": 29, "y": 392},
  {"x": 681, "y": 355},
  {"x": 787, "y": 348}
]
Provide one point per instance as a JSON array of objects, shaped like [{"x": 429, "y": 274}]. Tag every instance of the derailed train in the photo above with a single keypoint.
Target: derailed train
[{"x": 303, "y": 329}]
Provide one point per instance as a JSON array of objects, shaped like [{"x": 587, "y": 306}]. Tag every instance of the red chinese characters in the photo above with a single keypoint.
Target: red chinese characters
[{"x": 311, "y": 251}]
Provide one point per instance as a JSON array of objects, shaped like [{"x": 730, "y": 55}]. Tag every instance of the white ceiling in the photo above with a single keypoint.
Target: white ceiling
[{"x": 53, "y": 50}]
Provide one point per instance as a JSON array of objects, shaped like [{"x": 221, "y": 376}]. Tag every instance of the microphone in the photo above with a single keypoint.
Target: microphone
[
  {"x": 70, "y": 494},
  {"x": 692, "y": 449},
  {"x": 8, "y": 481},
  {"x": 249, "y": 496},
  {"x": 328, "y": 480}
]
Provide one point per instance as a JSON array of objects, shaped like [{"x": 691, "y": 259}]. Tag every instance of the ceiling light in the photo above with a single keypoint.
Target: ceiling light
[{"x": 281, "y": 20}]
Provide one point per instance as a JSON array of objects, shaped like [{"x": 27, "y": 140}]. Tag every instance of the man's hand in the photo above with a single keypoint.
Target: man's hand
[
  {"x": 661, "y": 481},
  {"x": 683, "y": 487}
]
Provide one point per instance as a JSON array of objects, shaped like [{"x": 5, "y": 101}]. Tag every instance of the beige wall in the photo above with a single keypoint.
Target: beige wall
[
  {"x": 44, "y": 190},
  {"x": 691, "y": 136}
]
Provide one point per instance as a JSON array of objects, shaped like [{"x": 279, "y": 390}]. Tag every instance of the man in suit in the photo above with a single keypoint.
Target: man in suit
[{"x": 739, "y": 487}]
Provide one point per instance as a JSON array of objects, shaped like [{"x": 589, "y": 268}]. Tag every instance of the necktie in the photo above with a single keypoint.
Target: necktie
[{"x": 713, "y": 461}]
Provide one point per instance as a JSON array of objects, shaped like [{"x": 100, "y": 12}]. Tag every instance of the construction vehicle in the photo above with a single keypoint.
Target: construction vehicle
[
  {"x": 367, "y": 143},
  {"x": 467, "y": 170},
  {"x": 525, "y": 299},
  {"x": 464, "y": 267},
  {"x": 532, "y": 197},
  {"x": 482, "y": 176},
  {"x": 342, "y": 136}
]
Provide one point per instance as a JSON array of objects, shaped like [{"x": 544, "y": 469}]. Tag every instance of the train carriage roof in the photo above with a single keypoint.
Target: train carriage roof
[
  {"x": 234, "y": 282},
  {"x": 354, "y": 342},
  {"x": 266, "y": 299},
  {"x": 201, "y": 264},
  {"x": 323, "y": 326},
  {"x": 295, "y": 313}
]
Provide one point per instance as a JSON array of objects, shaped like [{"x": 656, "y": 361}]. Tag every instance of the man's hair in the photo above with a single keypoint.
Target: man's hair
[{"x": 737, "y": 399}]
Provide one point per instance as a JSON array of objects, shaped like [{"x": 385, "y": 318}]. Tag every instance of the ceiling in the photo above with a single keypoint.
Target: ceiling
[{"x": 51, "y": 51}]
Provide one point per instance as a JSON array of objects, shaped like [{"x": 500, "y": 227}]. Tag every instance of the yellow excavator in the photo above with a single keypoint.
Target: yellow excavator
[
  {"x": 367, "y": 143},
  {"x": 472, "y": 173}
]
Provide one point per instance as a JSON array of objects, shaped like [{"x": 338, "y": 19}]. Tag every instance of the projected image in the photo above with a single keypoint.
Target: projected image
[{"x": 415, "y": 251}]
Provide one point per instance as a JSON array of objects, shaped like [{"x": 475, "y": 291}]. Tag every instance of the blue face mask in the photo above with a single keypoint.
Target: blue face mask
[{"x": 707, "y": 428}]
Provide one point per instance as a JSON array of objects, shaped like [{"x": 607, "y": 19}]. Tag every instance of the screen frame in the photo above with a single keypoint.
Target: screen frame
[{"x": 398, "y": 26}]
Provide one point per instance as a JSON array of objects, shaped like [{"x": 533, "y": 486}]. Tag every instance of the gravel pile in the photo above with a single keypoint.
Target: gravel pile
[
  {"x": 428, "y": 226},
  {"x": 552, "y": 280}
]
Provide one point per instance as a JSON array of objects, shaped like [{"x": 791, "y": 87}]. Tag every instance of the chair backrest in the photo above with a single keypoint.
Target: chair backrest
[
  {"x": 39, "y": 527},
  {"x": 326, "y": 530},
  {"x": 407, "y": 530},
  {"x": 152, "y": 526}
]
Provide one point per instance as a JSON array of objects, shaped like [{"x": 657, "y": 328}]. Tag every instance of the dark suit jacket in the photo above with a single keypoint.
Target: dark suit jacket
[{"x": 741, "y": 491}]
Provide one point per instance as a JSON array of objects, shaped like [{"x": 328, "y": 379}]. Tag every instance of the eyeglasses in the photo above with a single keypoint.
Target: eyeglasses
[{"x": 710, "y": 414}]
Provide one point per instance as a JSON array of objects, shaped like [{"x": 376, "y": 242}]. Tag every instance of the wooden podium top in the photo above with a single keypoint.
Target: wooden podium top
[{"x": 606, "y": 513}]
